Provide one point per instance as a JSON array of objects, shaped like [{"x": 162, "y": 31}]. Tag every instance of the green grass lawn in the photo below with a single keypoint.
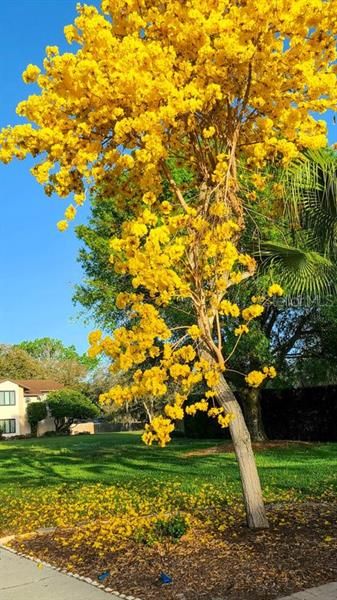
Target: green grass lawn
[{"x": 114, "y": 458}]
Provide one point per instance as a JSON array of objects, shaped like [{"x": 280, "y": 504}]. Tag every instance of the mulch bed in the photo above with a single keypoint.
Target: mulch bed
[{"x": 299, "y": 551}]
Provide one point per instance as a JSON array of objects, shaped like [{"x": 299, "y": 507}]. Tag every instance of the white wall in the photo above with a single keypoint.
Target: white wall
[{"x": 18, "y": 411}]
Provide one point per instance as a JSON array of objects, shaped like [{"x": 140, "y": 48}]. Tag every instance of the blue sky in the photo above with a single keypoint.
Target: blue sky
[{"x": 38, "y": 263}]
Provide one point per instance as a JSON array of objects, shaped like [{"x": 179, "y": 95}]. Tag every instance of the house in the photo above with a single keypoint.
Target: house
[{"x": 15, "y": 395}]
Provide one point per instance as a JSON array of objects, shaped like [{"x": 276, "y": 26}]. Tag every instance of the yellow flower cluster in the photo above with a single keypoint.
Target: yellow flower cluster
[
  {"x": 255, "y": 378},
  {"x": 258, "y": 181},
  {"x": 270, "y": 372},
  {"x": 133, "y": 346},
  {"x": 225, "y": 420},
  {"x": 31, "y": 74},
  {"x": 252, "y": 312},
  {"x": 208, "y": 133},
  {"x": 228, "y": 309},
  {"x": 174, "y": 412},
  {"x": 215, "y": 411},
  {"x": 194, "y": 332},
  {"x": 241, "y": 330},
  {"x": 158, "y": 431},
  {"x": 192, "y": 409},
  {"x": 275, "y": 290},
  {"x": 62, "y": 225}
]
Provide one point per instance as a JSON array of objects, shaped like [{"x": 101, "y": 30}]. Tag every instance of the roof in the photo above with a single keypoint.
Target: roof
[{"x": 35, "y": 387}]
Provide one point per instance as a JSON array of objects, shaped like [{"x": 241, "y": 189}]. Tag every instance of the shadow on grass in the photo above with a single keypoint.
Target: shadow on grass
[
  {"x": 106, "y": 459},
  {"x": 120, "y": 458}
]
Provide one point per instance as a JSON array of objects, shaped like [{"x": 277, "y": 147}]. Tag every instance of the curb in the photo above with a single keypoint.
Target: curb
[{"x": 88, "y": 580}]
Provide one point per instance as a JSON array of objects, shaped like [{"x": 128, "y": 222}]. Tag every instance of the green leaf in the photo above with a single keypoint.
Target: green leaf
[{"x": 299, "y": 271}]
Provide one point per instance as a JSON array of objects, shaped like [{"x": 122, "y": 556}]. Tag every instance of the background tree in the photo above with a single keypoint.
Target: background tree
[
  {"x": 36, "y": 412},
  {"x": 57, "y": 361},
  {"x": 101, "y": 285},
  {"x": 298, "y": 250},
  {"x": 313, "y": 361},
  {"x": 66, "y": 406},
  {"x": 205, "y": 84},
  {"x": 16, "y": 363}
]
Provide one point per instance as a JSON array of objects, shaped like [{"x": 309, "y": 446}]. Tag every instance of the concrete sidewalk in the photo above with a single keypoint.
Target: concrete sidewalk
[
  {"x": 323, "y": 592},
  {"x": 22, "y": 579}
]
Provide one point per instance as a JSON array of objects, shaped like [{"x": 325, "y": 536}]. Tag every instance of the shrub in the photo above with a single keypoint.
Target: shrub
[
  {"x": 66, "y": 406},
  {"x": 174, "y": 527},
  {"x": 170, "y": 529},
  {"x": 36, "y": 412}
]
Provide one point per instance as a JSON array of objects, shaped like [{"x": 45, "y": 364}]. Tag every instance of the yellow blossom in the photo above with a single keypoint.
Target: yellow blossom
[
  {"x": 215, "y": 411},
  {"x": 275, "y": 290},
  {"x": 70, "y": 212},
  {"x": 255, "y": 378},
  {"x": 241, "y": 330},
  {"x": 228, "y": 308},
  {"x": 166, "y": 207},
  {"x": 62, "y": 225},
  {"x": 79, "y": 199},
  {"x": 258, "y": 181},
  {"x": 208, "y": 133},
  {"x": 94, "y": 336},
  {"x": 225, "y": 420},
  {"x": 192, "y": 409},
  {"x": 194, "y": 332},
  {"x": 158, "y": 430},
  {"x": 174, "y": 412},
  {"x": 149, "y": 198},
  {"x": 31, "y": 74},
  {"x": 252, "y": 312},
  {"x": 270, "y": 372}
]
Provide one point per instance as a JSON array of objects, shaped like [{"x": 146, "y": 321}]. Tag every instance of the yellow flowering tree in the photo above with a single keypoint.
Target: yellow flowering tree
[{"x": 151, "y": 83}]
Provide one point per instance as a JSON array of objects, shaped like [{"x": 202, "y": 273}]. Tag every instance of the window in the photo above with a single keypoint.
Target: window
[
  {"x": 8, "y": 425},
  {"x": 7, "y": 398}
]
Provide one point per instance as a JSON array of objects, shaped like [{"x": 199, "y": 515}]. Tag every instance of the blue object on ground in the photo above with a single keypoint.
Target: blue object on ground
[
  {"x": 103, "y": 575},
  {"x": 165, "y": 578}
]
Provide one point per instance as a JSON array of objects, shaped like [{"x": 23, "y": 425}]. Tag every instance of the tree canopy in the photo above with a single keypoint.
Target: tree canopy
[
  {"x": 50, "y": 349},
  {"x": 58, "y": 361},
  {"x": 159, "y": 77},
  {"x": 16, "y": 363},
  {"x": 67, "y": 405},
  {"x": 45, "y": 358}
]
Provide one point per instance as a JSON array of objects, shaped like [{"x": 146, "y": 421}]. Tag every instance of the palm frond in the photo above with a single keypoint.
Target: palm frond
[
  {"x": 311, "y": 198},
  {"x": 299, "y": 271}
]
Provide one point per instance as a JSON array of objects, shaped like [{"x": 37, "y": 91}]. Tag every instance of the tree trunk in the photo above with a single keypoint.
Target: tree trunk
[
  {"x": 62, "y": 424},
  {"x": 253, "y": 416},
  {"x": 252, "y": 493},
  {"x": 33, "y": 429}
]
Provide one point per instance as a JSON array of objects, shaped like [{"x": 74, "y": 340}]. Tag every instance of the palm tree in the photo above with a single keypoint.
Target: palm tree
[
  {"x": 308, "y": 265},
  {"x": 301, "y": 256}
]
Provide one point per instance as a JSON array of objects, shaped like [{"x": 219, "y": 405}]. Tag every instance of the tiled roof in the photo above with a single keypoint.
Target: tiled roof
[{"x": 35, "y": 387}]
